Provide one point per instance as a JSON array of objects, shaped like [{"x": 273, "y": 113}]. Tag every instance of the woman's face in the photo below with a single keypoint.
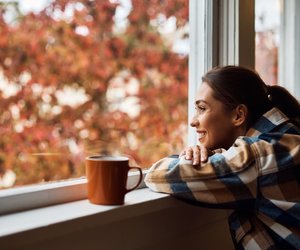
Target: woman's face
[{"x": 214, "y": 124}]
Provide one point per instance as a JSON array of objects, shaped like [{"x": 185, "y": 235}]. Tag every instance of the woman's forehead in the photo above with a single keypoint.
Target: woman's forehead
[{"x": 204, "y": 93}]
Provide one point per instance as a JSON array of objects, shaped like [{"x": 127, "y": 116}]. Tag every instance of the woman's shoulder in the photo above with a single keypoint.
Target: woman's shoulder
[{"x": 273, "y": 123}]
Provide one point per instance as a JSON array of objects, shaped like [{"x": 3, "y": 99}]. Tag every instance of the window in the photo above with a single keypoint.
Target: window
[
  {"x": 267, "y": 39},
  {"x": 216, "y": 29},
  {"x": 90, "y": 77},
  {"x": 277, "y": 43},
  {"x": 289, "y": 50}
]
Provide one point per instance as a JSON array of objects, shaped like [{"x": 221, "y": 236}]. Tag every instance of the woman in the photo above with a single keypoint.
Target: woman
[{"x": 248, "y": 159}]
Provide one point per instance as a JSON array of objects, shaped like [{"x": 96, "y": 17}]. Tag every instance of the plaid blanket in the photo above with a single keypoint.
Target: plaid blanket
[{"x": 258, "y": 177}]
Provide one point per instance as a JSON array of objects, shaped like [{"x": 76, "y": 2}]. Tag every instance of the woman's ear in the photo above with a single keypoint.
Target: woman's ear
[{"x": 240, "y": 114}]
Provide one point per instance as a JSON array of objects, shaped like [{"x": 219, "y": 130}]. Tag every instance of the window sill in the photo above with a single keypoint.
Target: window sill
[
  {"x": 147, "y": 220},
  {"x": 41, "y": 217}
]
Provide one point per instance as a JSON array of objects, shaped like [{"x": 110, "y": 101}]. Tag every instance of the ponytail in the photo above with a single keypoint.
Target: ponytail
[{"x": 283, "y": 100}]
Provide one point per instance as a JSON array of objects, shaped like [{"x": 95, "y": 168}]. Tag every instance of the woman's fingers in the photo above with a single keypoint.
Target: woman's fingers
[
  {"x": 189, "y": 154},
  {"x": 204, "y": 153},
  {"x": 196, "y": 153},
  {"x": 192, "y": 153},
  {"x": 182, "y": 153}
]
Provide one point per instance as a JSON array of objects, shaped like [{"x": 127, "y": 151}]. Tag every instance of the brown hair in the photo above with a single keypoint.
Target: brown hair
[{"x": 234, "y": 85}]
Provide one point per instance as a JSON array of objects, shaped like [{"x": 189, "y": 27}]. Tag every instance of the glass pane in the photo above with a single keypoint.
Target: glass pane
[
  {"x": 86, "y": 77},
  {"x": 267, "y": 40}
]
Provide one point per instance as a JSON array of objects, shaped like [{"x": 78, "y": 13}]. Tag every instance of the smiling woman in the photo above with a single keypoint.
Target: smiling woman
[
  {"x": 250, "y": 137},
  {"x": 97, "y": 77}
]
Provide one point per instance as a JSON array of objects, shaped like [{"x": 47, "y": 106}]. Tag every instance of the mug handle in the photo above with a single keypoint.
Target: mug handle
[{"x": 140, "y": 179}]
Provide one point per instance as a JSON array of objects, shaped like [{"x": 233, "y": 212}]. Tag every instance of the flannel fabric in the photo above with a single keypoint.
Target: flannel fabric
[{"x": 258, "y": 177}]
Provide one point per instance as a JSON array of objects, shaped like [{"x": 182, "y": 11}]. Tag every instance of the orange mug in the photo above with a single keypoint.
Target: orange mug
[{"x": 107, "y": 179}]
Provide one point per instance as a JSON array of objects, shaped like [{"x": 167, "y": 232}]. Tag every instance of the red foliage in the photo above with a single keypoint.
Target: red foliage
[{"x": 44, "y": 53}]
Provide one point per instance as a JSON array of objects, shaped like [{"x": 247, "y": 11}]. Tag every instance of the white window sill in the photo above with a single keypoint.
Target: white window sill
[
  {"x": 147, "y": 220},
  {"x": 46, "y": 216}
]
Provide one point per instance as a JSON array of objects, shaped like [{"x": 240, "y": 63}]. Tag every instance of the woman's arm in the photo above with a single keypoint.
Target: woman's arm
[{"x": 226, "y": 178}]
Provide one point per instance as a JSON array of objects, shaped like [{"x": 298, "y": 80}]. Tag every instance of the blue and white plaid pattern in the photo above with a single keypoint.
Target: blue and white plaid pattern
[{"x": 258, "y": 177}]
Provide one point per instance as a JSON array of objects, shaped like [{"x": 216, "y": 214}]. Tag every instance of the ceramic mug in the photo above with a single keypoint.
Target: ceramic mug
[{"x": 107, "y": 179}]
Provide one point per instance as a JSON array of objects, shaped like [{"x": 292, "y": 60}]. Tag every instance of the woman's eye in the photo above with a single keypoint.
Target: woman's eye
[{"x": 200, "y": 109}]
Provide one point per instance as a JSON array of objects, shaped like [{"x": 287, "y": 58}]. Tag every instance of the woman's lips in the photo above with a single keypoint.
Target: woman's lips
[{"x": 201, "y": 134}]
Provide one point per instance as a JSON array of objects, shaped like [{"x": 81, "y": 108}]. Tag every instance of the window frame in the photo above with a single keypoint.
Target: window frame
[
  {"x": 224, "y": 23},
  {"x": 289, "y": 49}
]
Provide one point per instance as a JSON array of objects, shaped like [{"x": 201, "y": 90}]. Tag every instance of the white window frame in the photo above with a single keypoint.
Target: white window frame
[
  {"x": 236, "y": 32},
  {"x": 289, "y": 49},
  {"x": 225, "y": 22}
]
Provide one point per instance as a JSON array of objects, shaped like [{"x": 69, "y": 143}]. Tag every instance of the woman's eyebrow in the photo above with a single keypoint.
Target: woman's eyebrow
[{"x": 197, "y": 102}]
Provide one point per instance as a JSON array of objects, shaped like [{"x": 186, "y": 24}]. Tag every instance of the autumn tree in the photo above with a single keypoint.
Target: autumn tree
[{"x": 128, "y": 87}]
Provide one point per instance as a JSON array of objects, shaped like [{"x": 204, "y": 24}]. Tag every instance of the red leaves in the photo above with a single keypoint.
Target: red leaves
[
  {"x": 52, "y": 51},
  {"x": 116, "y": 47}
]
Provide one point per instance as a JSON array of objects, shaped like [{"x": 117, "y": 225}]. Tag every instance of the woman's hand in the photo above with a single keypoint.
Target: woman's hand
[{"x": 197, "y": 154}]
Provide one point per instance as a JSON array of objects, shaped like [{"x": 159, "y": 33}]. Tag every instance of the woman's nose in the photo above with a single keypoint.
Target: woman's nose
[{"x": 194, "y": 122}]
